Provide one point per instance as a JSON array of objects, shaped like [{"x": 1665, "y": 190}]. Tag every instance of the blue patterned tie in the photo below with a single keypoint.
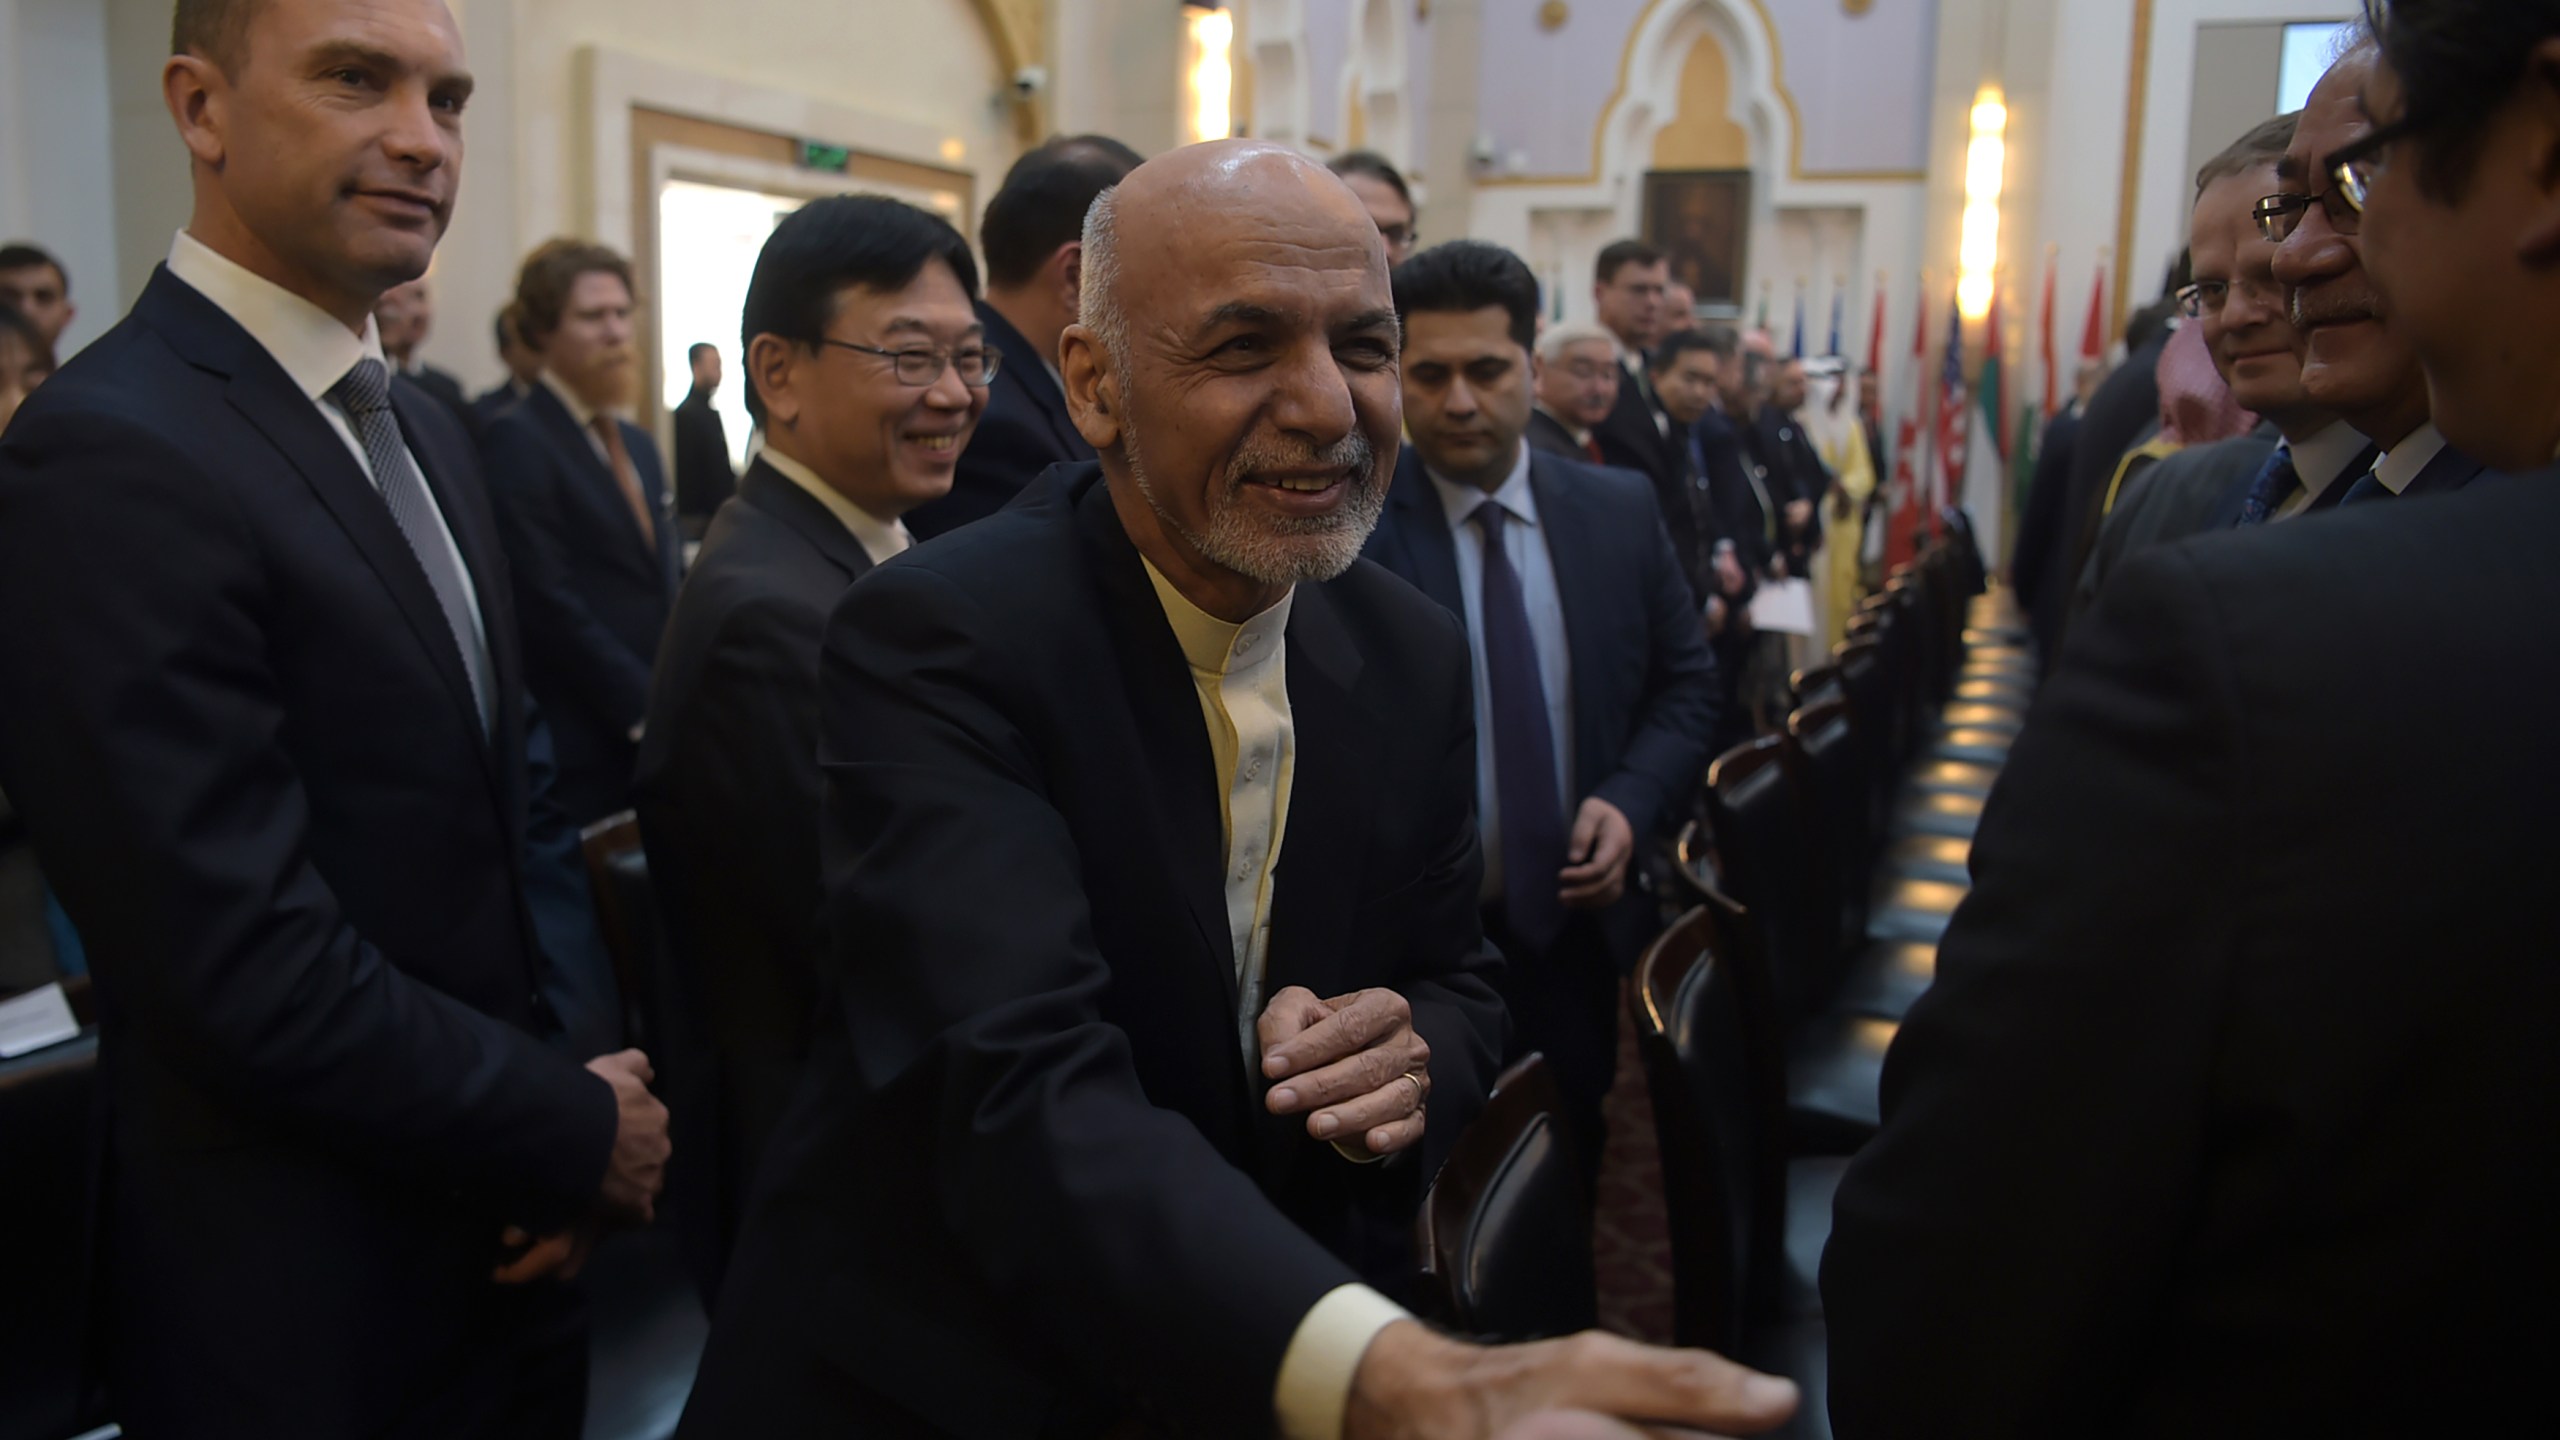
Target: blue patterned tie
[
  {"x": 365, "y": 394},
  {"x": 1524, "y": 749},
  {"x": 2275, "y": 483}
]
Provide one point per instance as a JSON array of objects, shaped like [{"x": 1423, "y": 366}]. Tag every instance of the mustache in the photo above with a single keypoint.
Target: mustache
[
  {"x": 2331, "y": 304},
  {"x": 1264, "y": 454}
]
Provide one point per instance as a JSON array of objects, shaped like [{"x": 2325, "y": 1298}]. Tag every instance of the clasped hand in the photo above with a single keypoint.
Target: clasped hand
[
  {"x": 634, "y": 1174},
  {"x": 1352, "y": 1065}
]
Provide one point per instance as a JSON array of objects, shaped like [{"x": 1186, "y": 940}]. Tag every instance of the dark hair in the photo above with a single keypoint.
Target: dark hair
[
  {"x": 218, "y": 30},
  {"x": 13, "y": 323},
  {"x": 693, "y": 352},
  {"x": 828, "y": 245},
  {"x": 19, "y": 255},
  {"x": 1722, "y": 339},
  {"x": 2458, "y": 61},
  {"x": 1668, "y": 353},
  {"x": 1619, "y": 255},
  {"x": 2149, "y": 323},
  {"x": 550, "y": 273},
  {"x": 1469, "y": 275},
  {"x": 1374, "y": 165},
  {"x": 504, "y": 327},
  {"x": 2265, "y": 144},
  {"x": 1042, "y": 203}
]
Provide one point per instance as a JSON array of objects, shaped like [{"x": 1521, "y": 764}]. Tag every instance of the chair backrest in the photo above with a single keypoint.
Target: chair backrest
[
  {"x": 1867, "y": 687},
  {"x": 1832, "y": 766},
  {"x": 1715, "y": 1117},
  {"x": 1814, "y": 682},
  {"x": 1756, "y": 812},
  {"x": 627, "y": 913},
  {"x": 1504, "y": 1235},
  {"x": 47, "y": 1134}
]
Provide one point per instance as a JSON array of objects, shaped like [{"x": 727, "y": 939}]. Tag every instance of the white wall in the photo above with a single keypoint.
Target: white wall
[{"x": 56, "y": 169}]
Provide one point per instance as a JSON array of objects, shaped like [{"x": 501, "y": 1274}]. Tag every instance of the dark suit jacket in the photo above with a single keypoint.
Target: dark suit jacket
[
  {"x": 242, "y": 738},
  {"x": 491, "y": 403},
  {"x": 594, "y": 597},
  {"x": 1631, "y": 438},
  {"x": 2235, "y": 1109},
  {"x": 1028, "y": 1180},
  {"x": 1644, "y": 686},
  {"x": 1024, "y": 431},
  {"x": 1747, "y": 512},
  {"x": 2448, "y": 472},
  {"x": 1796, "y": 472},
  {"x": 443, "y": 389},
  {"x": 2117, "y": 418},
  {"x": 1548, "y": 433},
  {"x": 704, "y": 478},
  {"x": 2038, "y": 548},
  {"x": 728, "y": 800}
]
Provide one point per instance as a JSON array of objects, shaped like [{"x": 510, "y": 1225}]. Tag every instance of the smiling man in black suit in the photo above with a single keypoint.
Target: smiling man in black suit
[
  {"x": 1034, "y": 237},
  {"x": 1152, "y": 871},
  {"x": 583, "y": 503},
  {"x": 267, "y": 728},
  {"x": 866, "y": 369}
]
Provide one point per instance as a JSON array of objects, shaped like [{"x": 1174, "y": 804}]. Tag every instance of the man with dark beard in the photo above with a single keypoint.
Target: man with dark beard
[
  {"x": 582, "y": 502},
  {"x": 1152, "y": 875}
]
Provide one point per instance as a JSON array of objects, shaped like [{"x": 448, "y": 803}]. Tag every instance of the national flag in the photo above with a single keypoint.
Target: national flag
[
  {"x": 2052, "y": 391},
  {"x": 2093, "y": 336},
  {"x": 2022, "y": 465},
  {"x": 1902, "y": 517},
  {"x": 1839, "y": 303},
  {"x": 1875, "y": 331},
  {"x": 1795, "y": 349},
  {"x": 1986, "y": 473},
  {"x": 1760, "y": 322},
  {"x": 1954, "y": 420}
]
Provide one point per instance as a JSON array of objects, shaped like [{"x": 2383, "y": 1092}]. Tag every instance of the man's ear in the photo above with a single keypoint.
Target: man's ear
[
  {"x": 1066, "y": 275},
  {"x": 194, "y": 90},
  {"x": 2539, "y": 245},
  {"x": 769, "y": 369},
  {"x": 1093, "y": 391}
]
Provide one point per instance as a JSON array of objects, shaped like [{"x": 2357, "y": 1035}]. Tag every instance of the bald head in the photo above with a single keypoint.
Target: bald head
[{"x": 1241, "y": 387}]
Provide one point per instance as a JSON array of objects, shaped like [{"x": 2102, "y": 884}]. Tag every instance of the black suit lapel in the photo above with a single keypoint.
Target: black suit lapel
[
  {"x": 1430, "y": 558},
  {"x": 1324, "y": 851},
  {"x": 777, "y": 495},
  {"x": 1173, "y": 738},
  {"x": 1027, "y": 369},
  {"x": 595, "y": 478},
  {"x": 1581, "y": 559},
  {"x": 264, "y": 395}
]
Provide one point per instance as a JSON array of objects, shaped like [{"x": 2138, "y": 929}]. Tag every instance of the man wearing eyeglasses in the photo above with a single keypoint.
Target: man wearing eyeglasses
[
  {"x": 2358, "y": 359},
  {"x": 2303, "y": 458},
  {"x": 867, "y": 369}
]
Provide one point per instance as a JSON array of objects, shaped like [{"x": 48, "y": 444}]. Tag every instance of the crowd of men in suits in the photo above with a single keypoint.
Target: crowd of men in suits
[{"x": 1161, "y": 720}]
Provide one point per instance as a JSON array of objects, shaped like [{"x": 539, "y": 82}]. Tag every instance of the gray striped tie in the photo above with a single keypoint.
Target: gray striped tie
[{"x": 365, "y": 395}]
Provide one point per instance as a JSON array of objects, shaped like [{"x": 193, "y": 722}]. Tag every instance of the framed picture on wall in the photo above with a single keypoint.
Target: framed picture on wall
[{"x": 1701, "y": 220}]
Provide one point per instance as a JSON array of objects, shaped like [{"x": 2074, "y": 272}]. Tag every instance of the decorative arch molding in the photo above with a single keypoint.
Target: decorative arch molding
[
  {"x": 1374, "y": 83},
  {"x": 1020, "y": 32},
  {"x": 1276, "y": 51}
]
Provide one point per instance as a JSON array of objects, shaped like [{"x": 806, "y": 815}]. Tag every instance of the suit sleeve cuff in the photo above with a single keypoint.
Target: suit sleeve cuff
[{"x": 1324, "y": 1356}]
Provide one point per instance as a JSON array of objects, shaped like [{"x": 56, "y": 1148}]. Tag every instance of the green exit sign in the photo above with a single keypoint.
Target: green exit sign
[{"x": 815, "y": 156}]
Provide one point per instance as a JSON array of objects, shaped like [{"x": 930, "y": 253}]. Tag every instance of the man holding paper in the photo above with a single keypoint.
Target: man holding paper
[{"x": 1594, "y": 688}]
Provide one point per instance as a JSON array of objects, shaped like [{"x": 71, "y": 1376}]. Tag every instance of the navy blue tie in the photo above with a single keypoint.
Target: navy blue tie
[
  {"x": 2275, "y": 483},
  {"x": 1524, "y": 749}
]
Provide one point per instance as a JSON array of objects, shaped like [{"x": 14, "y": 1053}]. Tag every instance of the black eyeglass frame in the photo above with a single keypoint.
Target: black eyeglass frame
[
  {"x": 899, "y": 361},
  {"x": 2352, "y": 167}
]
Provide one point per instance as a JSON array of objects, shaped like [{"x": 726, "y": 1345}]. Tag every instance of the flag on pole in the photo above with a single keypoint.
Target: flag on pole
[
  {"x": 1954, "y": 420},
  {"x": 1839, "y": 304},
  {"x": 2052, "y": 391},
  {"x": 1875, "y": 332},
  {"x": 1902, "y": 518},
  {"x": 1795, "y": 349},
  {"x": 1761, "y": 322},
  {"x": 2093, "y": 336},
  {"x": 1986, "y": 475}
]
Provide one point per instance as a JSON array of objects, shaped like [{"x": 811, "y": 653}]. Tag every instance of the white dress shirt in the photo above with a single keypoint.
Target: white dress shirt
[
  {"x": 2320, "y": 462},
  {"x": 878, "y": 538},
  {"x": 2402, "y": 462},
  {"x": 316, "y": 352},
  {"x": 1524, "y": 540},
  {"x": 1241, "y": 673},
  {"x": 1631, "y": 358}
]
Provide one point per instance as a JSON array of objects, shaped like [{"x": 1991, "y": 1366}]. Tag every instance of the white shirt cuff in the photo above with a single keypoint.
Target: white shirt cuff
[{"x": 1324, "y": 1356}]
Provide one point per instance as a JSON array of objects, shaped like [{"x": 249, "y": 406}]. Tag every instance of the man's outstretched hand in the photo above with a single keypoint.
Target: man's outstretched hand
[
  {"x": 1352, "y": 1065},
  {"x": 1414, "y": 1384}
]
